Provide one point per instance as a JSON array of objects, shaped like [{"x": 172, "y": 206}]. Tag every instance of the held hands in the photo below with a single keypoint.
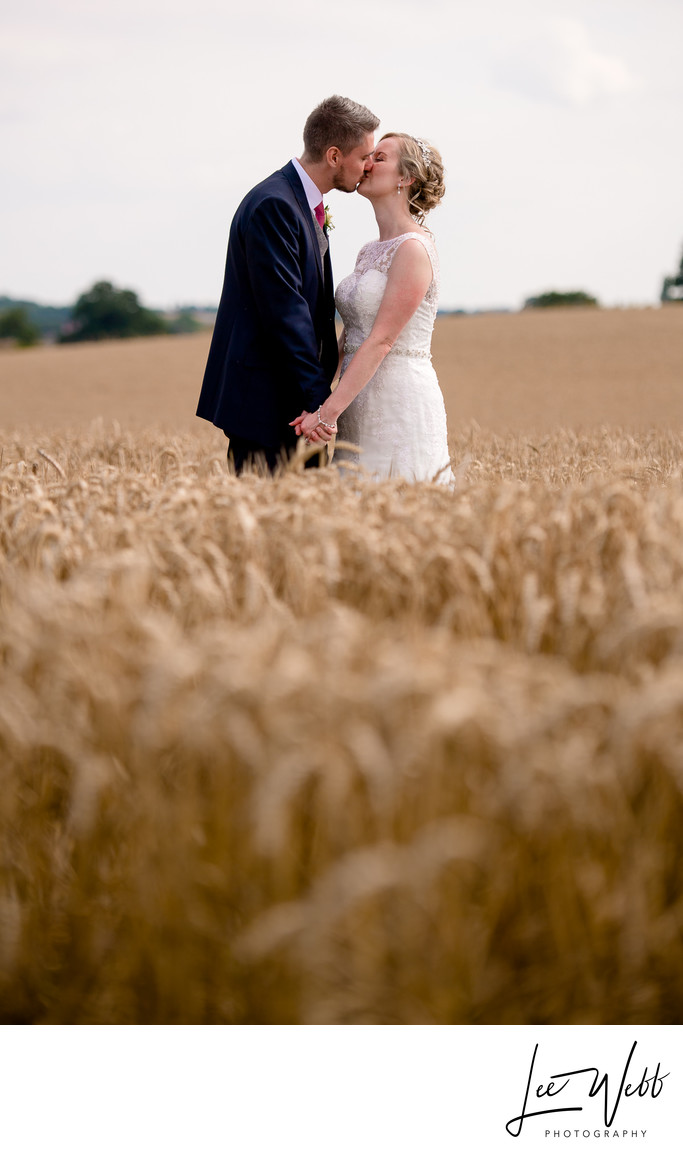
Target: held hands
[{"x": 313, "y": 427}]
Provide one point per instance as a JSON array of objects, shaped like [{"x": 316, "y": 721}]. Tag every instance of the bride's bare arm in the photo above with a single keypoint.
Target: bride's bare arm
[
  {"x": 409, "y": 277},
  {"x": 340, "y": 347}
]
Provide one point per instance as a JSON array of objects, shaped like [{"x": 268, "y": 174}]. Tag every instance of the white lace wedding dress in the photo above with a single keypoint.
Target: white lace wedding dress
[{"x": 398, "y": 419}]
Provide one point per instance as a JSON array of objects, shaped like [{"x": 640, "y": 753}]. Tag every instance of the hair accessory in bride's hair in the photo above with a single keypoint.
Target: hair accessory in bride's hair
[{"x": 426, "y": 154}]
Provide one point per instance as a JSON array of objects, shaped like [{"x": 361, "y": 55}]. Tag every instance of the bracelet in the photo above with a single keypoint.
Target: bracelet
[{"x": 321, "y": 422}]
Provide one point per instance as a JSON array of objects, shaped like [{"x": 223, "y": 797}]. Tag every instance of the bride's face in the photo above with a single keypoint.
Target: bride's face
[{"x": 382, "y": 176}]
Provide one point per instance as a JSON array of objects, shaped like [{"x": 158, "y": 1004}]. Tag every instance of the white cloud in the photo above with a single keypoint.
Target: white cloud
[{"x": 561, "y": 64}]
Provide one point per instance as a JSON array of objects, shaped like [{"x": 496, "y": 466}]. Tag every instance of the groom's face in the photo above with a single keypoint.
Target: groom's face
[{"x": 353, "y": 165}]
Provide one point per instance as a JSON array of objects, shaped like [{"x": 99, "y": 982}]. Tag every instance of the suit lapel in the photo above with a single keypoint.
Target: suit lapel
[{"x": 299, "y": 194}]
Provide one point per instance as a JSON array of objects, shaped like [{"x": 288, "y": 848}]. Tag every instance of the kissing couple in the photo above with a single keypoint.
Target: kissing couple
[{"x": 275, "y": 353}]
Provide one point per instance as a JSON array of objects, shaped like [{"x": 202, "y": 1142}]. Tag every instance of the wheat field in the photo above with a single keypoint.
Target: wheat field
[{"x": 323, "y": 750}]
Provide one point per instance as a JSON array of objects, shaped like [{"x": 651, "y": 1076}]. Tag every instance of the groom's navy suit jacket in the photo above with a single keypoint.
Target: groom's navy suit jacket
[{"x": 274, "y": 347}]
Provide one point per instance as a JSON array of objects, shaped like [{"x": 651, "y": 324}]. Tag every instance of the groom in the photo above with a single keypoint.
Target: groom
[{"x": 274, "y": 347}]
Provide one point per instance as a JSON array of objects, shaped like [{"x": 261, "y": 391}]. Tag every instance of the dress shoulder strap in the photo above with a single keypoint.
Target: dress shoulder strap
[
  {"x": 377, "y": 255},
  {"x": 427, "y": 244}
]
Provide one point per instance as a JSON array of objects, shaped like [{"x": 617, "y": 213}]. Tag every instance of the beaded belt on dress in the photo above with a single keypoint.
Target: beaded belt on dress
[{"x": 414, "y": 353}]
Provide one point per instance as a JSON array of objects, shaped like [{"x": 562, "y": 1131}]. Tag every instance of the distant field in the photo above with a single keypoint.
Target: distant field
[{"x": 568, "y": 368}]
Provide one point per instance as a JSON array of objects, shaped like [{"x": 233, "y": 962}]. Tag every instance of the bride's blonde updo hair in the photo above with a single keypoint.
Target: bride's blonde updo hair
[{"x": 419, "y": 161}]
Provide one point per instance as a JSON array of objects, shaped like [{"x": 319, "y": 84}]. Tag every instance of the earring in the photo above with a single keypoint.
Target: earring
[{"x": 398, "y": 189}]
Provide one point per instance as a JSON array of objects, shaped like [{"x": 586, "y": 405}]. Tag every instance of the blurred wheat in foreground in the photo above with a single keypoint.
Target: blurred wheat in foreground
[{"x": 324, "y": 750}]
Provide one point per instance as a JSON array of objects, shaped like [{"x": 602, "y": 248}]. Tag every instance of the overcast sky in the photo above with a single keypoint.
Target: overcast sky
[{"x": 131, "y": 129}]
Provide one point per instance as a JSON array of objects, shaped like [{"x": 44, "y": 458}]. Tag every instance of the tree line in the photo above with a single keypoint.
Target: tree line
[
  {"x": 108, "y": 312},
  {"x": 102, "y": 312}
]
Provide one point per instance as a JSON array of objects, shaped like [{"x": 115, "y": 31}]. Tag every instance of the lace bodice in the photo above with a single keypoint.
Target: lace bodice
[{"x": 359, "y": 296}]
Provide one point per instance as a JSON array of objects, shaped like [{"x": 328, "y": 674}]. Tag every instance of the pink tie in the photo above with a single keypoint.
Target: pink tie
[{"x": 320, "y": 214}]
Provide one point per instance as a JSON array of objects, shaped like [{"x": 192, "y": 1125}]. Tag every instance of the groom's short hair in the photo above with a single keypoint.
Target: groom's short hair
[{"x": 337, "y": 122}]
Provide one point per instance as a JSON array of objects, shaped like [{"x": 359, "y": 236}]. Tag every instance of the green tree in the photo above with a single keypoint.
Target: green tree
[
  {"x": 47, "y": 319},
  {"x": 106, "y": 312},
  {"x": 562, "y": 299},
  {"x": 15, "y": 324},
  {"x": 672, "y": 287},
  {"x": 184, "y": 323}
]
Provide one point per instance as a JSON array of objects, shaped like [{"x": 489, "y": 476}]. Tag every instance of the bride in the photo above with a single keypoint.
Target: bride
[{"x": 388, "y": 401}]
